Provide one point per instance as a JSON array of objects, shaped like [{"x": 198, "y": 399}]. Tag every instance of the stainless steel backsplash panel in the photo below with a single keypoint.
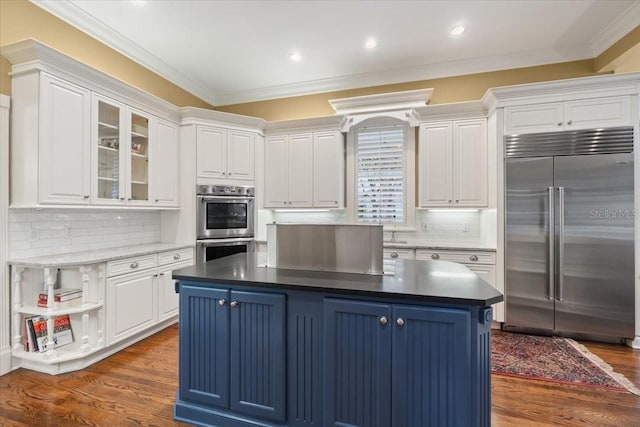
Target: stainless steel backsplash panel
[{"x": 342, "y": 248}]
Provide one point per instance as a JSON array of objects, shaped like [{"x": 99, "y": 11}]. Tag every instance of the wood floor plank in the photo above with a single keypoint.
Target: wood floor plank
[{"x": 136, "y": 387}]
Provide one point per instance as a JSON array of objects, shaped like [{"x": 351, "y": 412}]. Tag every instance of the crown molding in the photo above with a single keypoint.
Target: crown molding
[
  {"x": 617, "y": 30},
  {"x": 85, "y": 22},
  {"x": 75, "y": 16},
  {"x": 202, "y": 116},
  {"x": 31, "y": 56},
  {"x": 411, "y": 74},
  {"x": 563, "y": 90},
  {"x": 314, "y": 124},
  {"x": 382, "y": 101},
  {"x": 455, "y": 110}
]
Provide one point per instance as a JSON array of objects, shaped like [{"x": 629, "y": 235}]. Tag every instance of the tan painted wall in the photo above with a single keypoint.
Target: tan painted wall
[
  {"x": 20, "y": 20},
  {"x": 450, "y": 89}
]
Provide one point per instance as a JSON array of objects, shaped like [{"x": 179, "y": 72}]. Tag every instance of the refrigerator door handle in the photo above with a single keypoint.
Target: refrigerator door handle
[
  {"x": 559, "y": 296},
  {"x": 552, "y": 245}
]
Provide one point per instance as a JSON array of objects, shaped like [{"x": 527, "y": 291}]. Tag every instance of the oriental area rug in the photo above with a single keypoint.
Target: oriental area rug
[{"x": 554, "y": 359}]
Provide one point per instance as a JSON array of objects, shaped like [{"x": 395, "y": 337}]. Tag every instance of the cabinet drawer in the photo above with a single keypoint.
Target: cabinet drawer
[
  {"x": 178, "y": 255},
  {"x": 464, "y": 257},
  {"x": 398, "y": 254},
  {"x": 131, "y": 265}
]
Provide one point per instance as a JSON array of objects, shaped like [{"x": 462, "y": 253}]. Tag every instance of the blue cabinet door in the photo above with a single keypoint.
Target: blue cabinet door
[
  {"x": 431, "y": 367},
  {"x": 357, "y": 363},
  {"x": 204, "y": 346},
  {"x": 258, "y": 362}
]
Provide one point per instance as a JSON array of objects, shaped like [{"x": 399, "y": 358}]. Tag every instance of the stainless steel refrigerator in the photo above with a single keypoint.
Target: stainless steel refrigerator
[{"x": 569, "y": 249}]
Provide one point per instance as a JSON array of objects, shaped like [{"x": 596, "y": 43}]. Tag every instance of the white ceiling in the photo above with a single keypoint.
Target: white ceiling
[{"x": 228, "y": 52}]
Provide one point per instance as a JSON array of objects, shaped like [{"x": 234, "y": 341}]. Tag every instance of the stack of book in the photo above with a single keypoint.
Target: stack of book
[
  {"x": 62, "y": 297},
  {"x": 37, "y": 336}
]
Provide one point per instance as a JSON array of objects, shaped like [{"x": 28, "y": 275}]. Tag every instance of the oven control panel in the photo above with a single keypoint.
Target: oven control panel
[{"x": 225, "y": 190}]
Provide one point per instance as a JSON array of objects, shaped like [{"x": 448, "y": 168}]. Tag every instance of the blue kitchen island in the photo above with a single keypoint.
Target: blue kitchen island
[{"x": 276, "y": 347}]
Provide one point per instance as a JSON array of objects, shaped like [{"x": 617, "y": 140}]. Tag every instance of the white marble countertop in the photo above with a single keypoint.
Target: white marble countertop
[{"x": 96, "y": 256}]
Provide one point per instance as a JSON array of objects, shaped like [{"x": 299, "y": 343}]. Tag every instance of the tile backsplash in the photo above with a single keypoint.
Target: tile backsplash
[{"x": 34, "y": 232}]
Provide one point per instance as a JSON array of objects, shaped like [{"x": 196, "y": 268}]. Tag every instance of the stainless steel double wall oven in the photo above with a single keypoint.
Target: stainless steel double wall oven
[{"x": 224, "y": 220}]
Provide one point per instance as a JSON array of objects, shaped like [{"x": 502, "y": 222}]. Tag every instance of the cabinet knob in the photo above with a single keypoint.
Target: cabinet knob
[
  {"x": 570, "y": 122},
  {"x": 449, "y": 201},
  {"x": 86, "y": 196},
  {"x": 400, "y": 321},
  {"x": 435, "y": 256},
  {"x": 383, "y": 320},
  {"x": 129, "y": 199},
  {"x": 559, "y": 123},
  {"x": 157, "y": 200},
  {"x": 176, "y": 257},
  {"x": 473, "y": 257},
  {"x": 394, "y": 254},
  {"x": 223, "y": 173},
  {"x": 222, "y": 302},
  {"x": 234, "y": 303},
  {"x": 121, "y": 198},
  {"x": 457, "y": 201},
  {"x": 229, "y": 173},
  {"x": 134, "y": 264}
]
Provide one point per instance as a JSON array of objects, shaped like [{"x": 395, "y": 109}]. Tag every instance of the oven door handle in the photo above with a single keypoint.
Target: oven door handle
[{"x": 204, "y": 243}]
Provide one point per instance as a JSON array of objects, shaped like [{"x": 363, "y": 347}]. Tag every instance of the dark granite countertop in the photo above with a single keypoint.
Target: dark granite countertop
[{"x": 427, "y": 281}]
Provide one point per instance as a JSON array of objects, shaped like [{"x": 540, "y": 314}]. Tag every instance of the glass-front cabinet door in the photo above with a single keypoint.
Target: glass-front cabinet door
[
  {"x": 108, "y": 136},
  {"x": 138, "y": 156}
]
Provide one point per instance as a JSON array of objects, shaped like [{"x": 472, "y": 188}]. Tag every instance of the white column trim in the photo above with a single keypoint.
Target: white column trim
[{"x": 5, "y": 307}]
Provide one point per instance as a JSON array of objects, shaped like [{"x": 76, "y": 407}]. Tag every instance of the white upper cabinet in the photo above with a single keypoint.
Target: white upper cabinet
[
  {"x": 300, "y": 170},
  {"x": 240, "y": 155},
  {"x": 82, "y": 138},
  {"x": 453, "y": 164},
  {"x": 64, "y": 129},
  {"x": 289, "y": 171},
  {"x": 276, "y": 175},
  {"x": 225, "y": 154},
  {"x": 436, "y": 163},
  {"x": 164, "y": 167},
  {"x": 304, "y": 170},
  {"x": 328, "y": 169},
  {"x": 570, "y": 115},
  {"x": 133, "y": 155},
  {"x": 470, "y": 163}
]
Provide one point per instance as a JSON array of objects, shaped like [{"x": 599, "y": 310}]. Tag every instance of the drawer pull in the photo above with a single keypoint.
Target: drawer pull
[
  {"x": 394, "y": 255},
  {"x": 435, "y": 256},
  {"x": 134, "y": 265},
  {"x": 473, "y": 257},
  {"x": 176, "y": 257}
]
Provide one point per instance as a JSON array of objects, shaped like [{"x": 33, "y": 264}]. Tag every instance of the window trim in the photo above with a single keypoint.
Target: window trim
[{"x": 409, "y": 172}]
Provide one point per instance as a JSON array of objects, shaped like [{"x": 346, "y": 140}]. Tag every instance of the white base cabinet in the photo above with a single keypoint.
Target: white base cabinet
[
  {"x": 123, "y": 301},
  {"x": 483, "y": 263}
]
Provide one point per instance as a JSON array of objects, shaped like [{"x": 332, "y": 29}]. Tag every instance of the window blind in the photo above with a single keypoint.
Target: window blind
[{"x": 380, "y": 175}]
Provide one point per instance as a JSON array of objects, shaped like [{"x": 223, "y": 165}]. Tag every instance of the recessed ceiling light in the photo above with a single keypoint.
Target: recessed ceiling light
[
  {"x": 371, "y": 43},
  {"x": 295, "y": 56},
  {"x": 457, "y": 30},
  {"x": 139, "y": 2}
]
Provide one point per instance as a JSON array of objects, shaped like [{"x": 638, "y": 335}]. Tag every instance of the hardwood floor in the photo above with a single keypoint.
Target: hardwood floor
[{"x": 136, "y": 387}]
